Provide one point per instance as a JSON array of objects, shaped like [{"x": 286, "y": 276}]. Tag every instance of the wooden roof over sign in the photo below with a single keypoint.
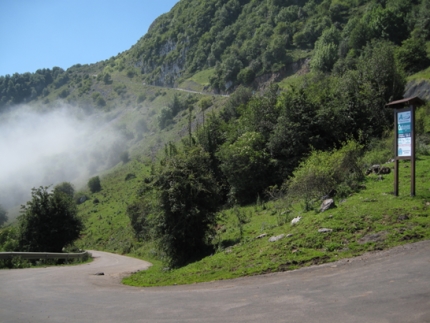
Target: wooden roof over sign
[{"x": 415, "y": 101}]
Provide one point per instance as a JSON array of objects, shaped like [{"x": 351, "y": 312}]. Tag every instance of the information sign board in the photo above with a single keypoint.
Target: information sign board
[{"x": 404, "y": 134}]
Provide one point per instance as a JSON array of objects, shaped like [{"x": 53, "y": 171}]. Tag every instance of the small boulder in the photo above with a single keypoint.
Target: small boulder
[
  {"x": 276, "y": 238},
  {"x": 295, "y": 220},
  {"x": 403, "y": 217},
  {"x": 82, "y": 199},
  {"x": 327, "y": 204},
  {"x": 385, "y": 170},
  {"x": 324, "y": 230}
]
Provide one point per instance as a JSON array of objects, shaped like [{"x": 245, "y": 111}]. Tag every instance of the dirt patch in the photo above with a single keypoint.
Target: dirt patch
[{"x": 373, "y": 237}]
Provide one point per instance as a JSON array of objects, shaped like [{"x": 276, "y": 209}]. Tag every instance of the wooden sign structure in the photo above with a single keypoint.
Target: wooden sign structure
[{"x": 404, "y": 132}]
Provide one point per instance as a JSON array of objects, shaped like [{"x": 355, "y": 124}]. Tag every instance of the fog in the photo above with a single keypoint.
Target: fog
[{"x": 42, "y": 148}]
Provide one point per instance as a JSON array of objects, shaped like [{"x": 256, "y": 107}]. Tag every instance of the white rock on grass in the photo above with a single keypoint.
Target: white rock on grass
[
  {"x": 295, "y": 220},
  {"x": 276, "y": 238},
  {"x": 324, "y": 230}
]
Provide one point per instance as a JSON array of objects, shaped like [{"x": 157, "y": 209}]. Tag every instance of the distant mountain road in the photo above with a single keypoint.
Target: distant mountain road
[{"x": 387, "y": 286}]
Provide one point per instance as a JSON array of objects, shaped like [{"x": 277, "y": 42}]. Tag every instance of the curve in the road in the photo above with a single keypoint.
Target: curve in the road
[{"x": 388, "y": 286}]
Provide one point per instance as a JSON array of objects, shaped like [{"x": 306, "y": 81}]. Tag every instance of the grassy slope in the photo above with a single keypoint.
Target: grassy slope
[
  {"x": 371, "y": 211},
  {"x": 374, "y": 214}
]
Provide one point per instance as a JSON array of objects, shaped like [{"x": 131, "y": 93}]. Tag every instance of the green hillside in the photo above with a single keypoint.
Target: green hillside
[{"x": 236, "y": 117}]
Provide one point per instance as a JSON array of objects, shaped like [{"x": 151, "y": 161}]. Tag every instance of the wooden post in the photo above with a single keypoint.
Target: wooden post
[
  {"x": 404, "y": 130},
  {"x": 413, "y": 135}
]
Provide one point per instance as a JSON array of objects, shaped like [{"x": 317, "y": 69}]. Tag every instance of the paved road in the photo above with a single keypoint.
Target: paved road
[{"x": 389, "y": 286}]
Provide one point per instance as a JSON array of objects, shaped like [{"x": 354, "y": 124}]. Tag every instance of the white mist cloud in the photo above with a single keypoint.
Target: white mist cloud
[{"x": 46, "y": 148}]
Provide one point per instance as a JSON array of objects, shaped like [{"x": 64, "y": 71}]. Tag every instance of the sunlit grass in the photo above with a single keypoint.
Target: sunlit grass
[{"x": 372, "y": 219}]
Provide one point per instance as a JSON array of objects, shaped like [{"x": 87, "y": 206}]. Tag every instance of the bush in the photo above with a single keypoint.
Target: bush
[
  {"x": 125, "y": 158},
  {"x": 188, "y": 198},
  {"x": 324, "y": 171},
  {"x": 8, "y": 239},
  {"x": 246, "y": 165},
  {"x": 94, "y": 184},
  {"x": 205, "y": 103},
  {"x": 66, "y": 188},
  {"x": 141, "y": 97},
  {"x": 48, "y": 222},
  {"x": 412, "y": 55}
]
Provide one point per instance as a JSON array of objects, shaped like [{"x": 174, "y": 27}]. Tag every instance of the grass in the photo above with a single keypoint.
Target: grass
[
  {"x": 18, "y": 262},
  {"x": 373, "y": 219},
  {"x": 423, "y": 75},
  {"x": 203, "y": 77}
]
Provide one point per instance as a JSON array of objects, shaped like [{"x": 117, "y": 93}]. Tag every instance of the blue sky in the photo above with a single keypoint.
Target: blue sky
[{"x": 38, "y": 34}]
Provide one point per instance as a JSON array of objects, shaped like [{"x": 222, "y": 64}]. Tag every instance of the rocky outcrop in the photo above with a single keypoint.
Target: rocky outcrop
[{"x": 418, "y": 88}]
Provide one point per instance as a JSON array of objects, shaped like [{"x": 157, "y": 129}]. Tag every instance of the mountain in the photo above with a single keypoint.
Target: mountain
[
  {"x": 239, "y": 42},
  {"x": 226, "y": 104}
]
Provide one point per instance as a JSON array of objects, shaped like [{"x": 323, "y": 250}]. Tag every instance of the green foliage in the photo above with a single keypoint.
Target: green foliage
[
  {"x": 139, "y": 214},
  {"x": 94, "y": 184},
  {"x": 165, "y": 118},
  {"x": 66, "y": 188},
  {"x": 241, "y": 96},
  {"x": 8, "y": 239},
  {"x": 373, "y": 212},
  {"x": 378, "y": 66},
  {"x": 204, "y": 103},
  {"x": 412, "y": 55},
  {"x": 377, "y": 151},
  {"x": 130, "y": 73},
  {"x": 173, "y": 108},
  {"x": 141, "y": 97},
  {"x": 120, "y": 89},
  {"x": 246, "y": 165},
  {"x": 324, "y": 171},
  {"x": 107, "y": 78},
  {"x": 48, "y": 222},
  {"x": 98, "y": 99},
  {"x": 3, "y": 216},
  {"x": 187, "y": 195},
  {"x": 326, "y": 50},
  {"x": 125, "y": 157},
  {"x": 20, "y": 88},
  {"x": 246, "y": 76},
  {"x": 141, "y": 126},
  {"x": 64, "y": 93}
]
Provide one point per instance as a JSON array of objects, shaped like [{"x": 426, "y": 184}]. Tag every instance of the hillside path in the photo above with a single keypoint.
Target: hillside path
[{"x": 386, "y": 286}]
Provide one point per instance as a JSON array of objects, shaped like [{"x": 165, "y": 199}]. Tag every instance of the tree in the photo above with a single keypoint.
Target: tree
[
  {"x": 326, "y": 50},
  {"x": 94, "y": 184},
  {"x": 412, "y": 55},
  {"x": 125, "y": 157},
  {"x": 246, "y": 165},
  {"x": 48, "y": 222},
  {"x": 3, "y": 216},
  {"x": 107, "y": 79},
  {"x": 188, "y": 197},
  {"x": 66, "y": 188}
]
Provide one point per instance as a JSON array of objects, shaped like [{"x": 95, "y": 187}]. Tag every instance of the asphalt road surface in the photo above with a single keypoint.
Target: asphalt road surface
[{"x": 387, "y": 286}]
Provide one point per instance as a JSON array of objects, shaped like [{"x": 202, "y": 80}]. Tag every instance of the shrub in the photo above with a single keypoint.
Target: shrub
[
  {"x": 141, "y": 97},
  {"x": 94, "y": 184},
  {"x": 48, "y": 222},
  {"x": 324, "y": 171},
  {"x": 188, "y": 199},
  {"x": 205, "y": 103},
  {"x": 125, "y": 158}
]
